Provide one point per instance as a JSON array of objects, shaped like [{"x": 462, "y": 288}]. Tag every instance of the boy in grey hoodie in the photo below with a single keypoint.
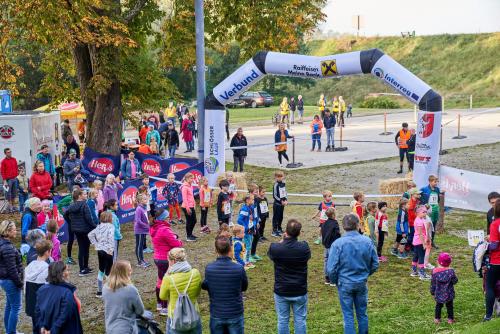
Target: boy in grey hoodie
[{"x": 35, "y": 276}]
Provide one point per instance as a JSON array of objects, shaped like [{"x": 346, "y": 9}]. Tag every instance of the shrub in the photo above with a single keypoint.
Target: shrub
[{"x": 380, "y": 102}]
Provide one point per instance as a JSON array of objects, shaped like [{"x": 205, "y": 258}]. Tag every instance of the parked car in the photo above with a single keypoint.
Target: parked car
[
  {"x": 257, "y": 99},
  {"x": 237, "y": 103}
]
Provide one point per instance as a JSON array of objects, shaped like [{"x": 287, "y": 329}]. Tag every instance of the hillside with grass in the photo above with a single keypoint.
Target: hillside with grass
[{"x": 454, "y": 65}]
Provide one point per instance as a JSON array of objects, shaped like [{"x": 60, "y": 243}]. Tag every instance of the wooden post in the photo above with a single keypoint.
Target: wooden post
[
  {"x": 440, "y": 224},
  {"x": 385, "y": 133},
  {"x": 459, "y": 136}
]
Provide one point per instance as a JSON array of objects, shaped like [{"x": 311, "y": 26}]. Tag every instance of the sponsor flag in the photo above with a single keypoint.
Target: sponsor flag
[
  {"x": 467, "y": 190},
  {"x": 427, "y": 147},
  {"x": 214, "y": 156}
]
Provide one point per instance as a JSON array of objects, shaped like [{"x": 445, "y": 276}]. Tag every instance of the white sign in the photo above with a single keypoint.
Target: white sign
[
  {"x": 467, "y": 190},
  {"x": 313, "y": 67},
  {"x": 474, "y": 237},
  {"x": 214, "y": 156},
  {"x": 238, "y": 82},
  {"x": 426, "y": 160},
  {"x": 399, "y": 78}
]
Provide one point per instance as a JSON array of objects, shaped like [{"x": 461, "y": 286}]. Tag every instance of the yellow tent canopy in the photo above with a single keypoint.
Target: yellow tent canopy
[{"x": 72, "y": 110}]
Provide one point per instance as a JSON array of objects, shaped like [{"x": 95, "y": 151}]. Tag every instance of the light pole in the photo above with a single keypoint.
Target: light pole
[{"x": 200, "y": 74}]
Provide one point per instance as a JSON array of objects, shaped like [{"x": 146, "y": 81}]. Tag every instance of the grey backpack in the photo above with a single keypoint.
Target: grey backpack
[{"x": 185, "y": 316}]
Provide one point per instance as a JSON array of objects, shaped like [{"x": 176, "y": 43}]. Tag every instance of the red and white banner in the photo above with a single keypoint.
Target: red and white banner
[
  {"x": 467, "y": 190},
  {"x": 427, "y": 147}
]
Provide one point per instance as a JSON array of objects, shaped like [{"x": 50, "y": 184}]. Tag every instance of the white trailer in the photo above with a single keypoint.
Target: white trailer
[{"x": 24, "y": 132}]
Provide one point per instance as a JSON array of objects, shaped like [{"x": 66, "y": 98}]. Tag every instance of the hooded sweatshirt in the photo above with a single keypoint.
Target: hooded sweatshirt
[
  {"x": 35, "y": 276},
  {"x": 163, "y": 239}
]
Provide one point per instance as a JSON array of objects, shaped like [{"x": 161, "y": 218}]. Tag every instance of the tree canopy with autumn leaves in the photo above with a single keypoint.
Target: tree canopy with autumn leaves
[{"x": 113, "y": 55}]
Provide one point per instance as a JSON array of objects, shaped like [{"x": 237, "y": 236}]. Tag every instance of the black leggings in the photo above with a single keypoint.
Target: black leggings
[
  {"x": 190, "y": 221},
  {"x": 105, "y": 262},
  {"x": 255, "y": 241},
  {"x": 380, "y": 244},
  {"x": 262, "y": 224},
  {"x": 449, "y": 309},
  {"x": 140, "y": 244},
  {"x": 203, "y": 219},
  {"x": 71, "y": 239},
  {"x": 83, "y": 249},
  {"x": 282, "y": 154},
  {"x": 277, "y": 217},
  {"x": 492, "y": 276}
]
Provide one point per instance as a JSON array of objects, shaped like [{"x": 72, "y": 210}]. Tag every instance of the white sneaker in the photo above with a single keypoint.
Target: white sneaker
[
  {"x": 164, "y": 311},
  {"x": 159, "y": 307},
  {"x": 429, "y": 266}
]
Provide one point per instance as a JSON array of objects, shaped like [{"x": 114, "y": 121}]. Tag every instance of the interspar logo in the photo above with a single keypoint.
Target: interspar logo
[
  {"x": 159, "y": 185},
  {"x": 455, "y": 186},
  {"x": 197, "y": 177},
  {"x": 151, "y": 167},
  {"x": 127, "y": 198},
  {"x": 101, "y": 166},
  {"x": 391, "y": 80},
  {"x": 238, "y": 86}
]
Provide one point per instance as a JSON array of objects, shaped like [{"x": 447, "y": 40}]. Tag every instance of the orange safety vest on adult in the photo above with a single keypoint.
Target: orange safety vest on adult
[{"x": 403, "y": 138}]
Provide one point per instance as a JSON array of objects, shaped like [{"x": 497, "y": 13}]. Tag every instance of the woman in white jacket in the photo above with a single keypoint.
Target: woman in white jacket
[{"x": 103, "y": 239}]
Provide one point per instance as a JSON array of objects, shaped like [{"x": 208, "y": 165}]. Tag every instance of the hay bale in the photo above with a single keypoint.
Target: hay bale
[
  {"x": 393, "y": 187},
  {"x": 240, "y": 181}
]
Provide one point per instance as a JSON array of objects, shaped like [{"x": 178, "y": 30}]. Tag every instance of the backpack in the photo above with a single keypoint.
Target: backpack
[{"x": 185, "y": 316}]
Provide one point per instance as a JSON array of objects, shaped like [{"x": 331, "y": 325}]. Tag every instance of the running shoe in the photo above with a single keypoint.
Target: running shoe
[
  {"x": 413, "y": 274},
  {"x": 429, "y": 266},
  {"x": 84, "y": 272},
  {"x": 191, "y": 239},
  {"x": 424, "y": 277},
  {"x": 148, "y": 250},
  {"x": 258, "y": 258},
  {"x": 69, "y": 260},
  {"x": 317, "y": 241},
  {"x": 164, "y": 312}
]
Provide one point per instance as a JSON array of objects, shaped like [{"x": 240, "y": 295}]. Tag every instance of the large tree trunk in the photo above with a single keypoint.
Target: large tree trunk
[{"x": 104, "y": 110}]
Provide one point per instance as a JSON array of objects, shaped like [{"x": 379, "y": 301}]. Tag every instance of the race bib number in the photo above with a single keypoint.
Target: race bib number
[
  {"x": 206, "y": 196},
  {"x": 227, "y": 208},
  {"x": 385, "y": 226},
  {"x": 433, "y": 199},
  {"x": 250, "y": 224},
  {"x": 263, "y": 207},
  {"x": 323, "y": 215},
  {"x": 282, "y": 192},
  {"x": 232, "y": 187}
]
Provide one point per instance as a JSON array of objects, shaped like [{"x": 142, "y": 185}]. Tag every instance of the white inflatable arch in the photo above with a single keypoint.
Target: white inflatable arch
[{"x": 371, "y": 61}]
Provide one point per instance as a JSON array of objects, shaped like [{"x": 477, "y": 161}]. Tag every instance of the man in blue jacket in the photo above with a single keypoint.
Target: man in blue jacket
[
  {"x": 351, "y": 260},
  {"x": 225, "y": 281}
]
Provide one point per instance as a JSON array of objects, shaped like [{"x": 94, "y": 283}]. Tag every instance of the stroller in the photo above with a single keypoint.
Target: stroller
[
  {"x": 480, "y": 263},
  {"x": 147, "y": 325}
]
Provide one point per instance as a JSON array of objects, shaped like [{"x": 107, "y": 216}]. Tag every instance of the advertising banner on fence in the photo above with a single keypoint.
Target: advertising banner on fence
[
  {"x": 467, "y": 190},
  {"x": 100, "y": 165},
  {"x": 427, "y": 147},
  {"x": 154, "y": 165},
  {"x": 214, "y": 156}
]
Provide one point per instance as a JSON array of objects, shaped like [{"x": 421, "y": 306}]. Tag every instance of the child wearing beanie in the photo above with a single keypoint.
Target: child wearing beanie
[{"x": 442, "y": 287}]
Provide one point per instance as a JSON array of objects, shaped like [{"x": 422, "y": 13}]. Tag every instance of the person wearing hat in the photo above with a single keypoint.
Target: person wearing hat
[
  {"x": 442, "y": 287},
  {"x": 73, "y": 170},
  {"x": 401, "y": 139}
]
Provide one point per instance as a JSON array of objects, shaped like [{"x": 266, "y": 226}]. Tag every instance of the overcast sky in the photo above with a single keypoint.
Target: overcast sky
[{"x": 426, "y": 17}]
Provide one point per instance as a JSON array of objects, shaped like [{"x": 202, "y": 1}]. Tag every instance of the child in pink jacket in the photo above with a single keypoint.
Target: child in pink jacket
[
  {"x": 164, "y": 239},
  {"x": 188, "y": 205},
  {"x": 52, "y": 228}
]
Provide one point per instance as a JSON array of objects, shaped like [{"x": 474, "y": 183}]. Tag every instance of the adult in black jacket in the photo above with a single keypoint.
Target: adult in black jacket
[
  {"x": 226, "y": 300},
  {"x": 79, "y": 218},
  {"x": 57, "y": 308},
  {"x": 411, "y": 149},
  {"x": 290, "y": 258},
  {"x": 11, "y": 275},
  {"x": 293, "y": 107},
  {"x": 239, "y": 154}
]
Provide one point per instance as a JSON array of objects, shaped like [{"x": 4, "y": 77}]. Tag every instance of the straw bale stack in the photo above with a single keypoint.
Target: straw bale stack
[{"x": 393, "y": 187}]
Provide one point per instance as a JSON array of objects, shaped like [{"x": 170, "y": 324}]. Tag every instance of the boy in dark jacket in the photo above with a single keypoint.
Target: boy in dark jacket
[
  {"x": 330, "y": 231},
  {"x": 35, "y": 277},
  {"x": 223, "y": 203},
  {"x": 263, "y": 211},
  {"x": 280, "y": 201}
]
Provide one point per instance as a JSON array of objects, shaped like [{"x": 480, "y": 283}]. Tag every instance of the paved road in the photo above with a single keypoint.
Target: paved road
[{"x": 361, "y": 136}]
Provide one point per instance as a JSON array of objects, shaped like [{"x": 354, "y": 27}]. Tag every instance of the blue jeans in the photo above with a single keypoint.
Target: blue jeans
[
  {"x": 12, "y": 305},
  {"x": 354, "y": 294},
  {"x": 171, "y": 151},
  {"x": 23, "y": 196},
  {"x": 329, "y": 137},
  {"x": 172, "y": 119},
  {"x": 196, "y": 330},
  {"x": 316, "y": 139},
  {"x": 227, "y": 326},
  {"x": 248, "y": 245},
  {"x": 327, "y": 251},
  {"x": 299, "y": 308}
]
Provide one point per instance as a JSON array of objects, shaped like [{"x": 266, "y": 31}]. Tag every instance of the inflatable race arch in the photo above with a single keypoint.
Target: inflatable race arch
[{"x": 371, "y": 61}]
